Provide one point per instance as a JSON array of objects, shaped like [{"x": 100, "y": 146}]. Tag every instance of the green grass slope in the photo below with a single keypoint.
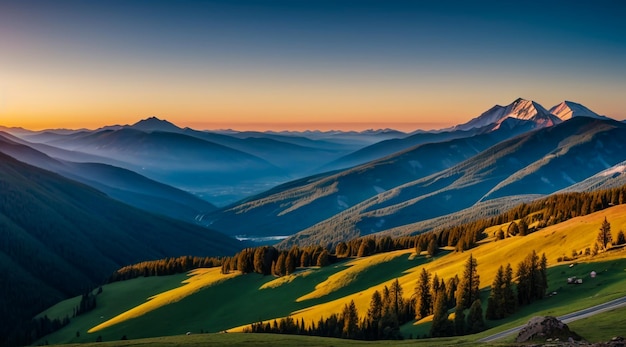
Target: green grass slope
[
  {"x": 608, "y": 285},
  {"x": 237, "y": 301},
  {"x": 318, "y": 292},
  {"x": 124, "y": 185},
  {"x": 60, "y": 237}
]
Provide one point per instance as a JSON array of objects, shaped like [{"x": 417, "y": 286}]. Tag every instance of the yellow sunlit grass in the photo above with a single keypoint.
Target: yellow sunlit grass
[
  {"x": 198, "y": 279},
  {"x": 286, "y": 279},
  {"x": 555, "y": 241},
  {"x": 347, "y": 276}
]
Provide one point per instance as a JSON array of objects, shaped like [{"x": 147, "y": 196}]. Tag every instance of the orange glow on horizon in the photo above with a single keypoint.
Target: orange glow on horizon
[
  {"x": 52, "y": 123},
  {"x": 313, "y": 126}
]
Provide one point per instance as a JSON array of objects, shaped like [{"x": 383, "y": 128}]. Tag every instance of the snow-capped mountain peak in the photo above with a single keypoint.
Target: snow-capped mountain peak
[
  {"x": 525, "y": 109},
  {"x": 569, "y": 109},
  {"x": 520, "y": 109}
]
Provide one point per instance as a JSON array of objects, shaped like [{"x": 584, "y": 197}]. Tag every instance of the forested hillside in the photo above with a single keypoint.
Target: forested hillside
[{"x": 60, "y": 238}]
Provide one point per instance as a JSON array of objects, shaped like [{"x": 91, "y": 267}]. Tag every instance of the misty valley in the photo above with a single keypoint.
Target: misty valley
[{"x": 149, "y": 230}]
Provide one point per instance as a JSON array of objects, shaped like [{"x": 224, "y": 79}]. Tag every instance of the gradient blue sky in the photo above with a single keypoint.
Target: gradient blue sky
[{"x": 304, "y": 64}]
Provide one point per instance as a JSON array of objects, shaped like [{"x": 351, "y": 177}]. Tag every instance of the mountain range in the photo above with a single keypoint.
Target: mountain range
[
  {"x": 499, "y": 154},
  {"x": 537, "y": 163},
  {"x": 61, "y": 237},
  {"x": 181, "y": 172},
  {"x": 86, "y": 202}
]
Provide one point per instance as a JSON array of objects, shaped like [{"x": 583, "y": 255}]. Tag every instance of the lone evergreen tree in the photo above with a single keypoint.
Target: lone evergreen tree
[{"x": 604, "y": 236}]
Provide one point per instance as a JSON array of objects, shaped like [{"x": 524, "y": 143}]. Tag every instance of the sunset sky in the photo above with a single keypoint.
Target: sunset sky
[{"x": 300, "y": 64}]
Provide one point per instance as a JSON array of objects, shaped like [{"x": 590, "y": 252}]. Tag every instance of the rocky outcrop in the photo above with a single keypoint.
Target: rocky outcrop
[
  {"x": 617, "y": 341},
  {"x": 544, "y": 328}
]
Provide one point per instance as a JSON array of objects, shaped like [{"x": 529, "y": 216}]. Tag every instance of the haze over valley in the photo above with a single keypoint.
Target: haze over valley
[
  {"x": 281, "y": 188},
  {"x": 312, "y": 173}
]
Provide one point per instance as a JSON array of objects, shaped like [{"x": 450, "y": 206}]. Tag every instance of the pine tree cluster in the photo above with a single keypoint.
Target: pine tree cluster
[{"x": 386, "y": 313}]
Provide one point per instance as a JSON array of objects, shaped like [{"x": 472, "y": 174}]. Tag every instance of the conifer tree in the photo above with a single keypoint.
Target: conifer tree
[
  {"x": 510, "y": 302},
  {"x": 423, "y": 296},
  {"x": 620, "y": 238},
  {"x": 290, "y": 264},
  {"x": 323, "y": 259},
  {"x": 475, "y": 322},
  {"x": 513, "y": 229},
  {"x": 350, "y": 317},
  {"x": 495, "y": 302},
  {"x": 524, "y": 283},
  {"x": 441, "y": 325},
  {"x": 279, "y": 269},
  {"x": 305, "y": 259},
  {"x": 604, "y": 236},
  {"x": 432, "y": 247},
  {"x": 459, "y": 320},
  {"x": 451, "y": 288},
  {"x": 259, "y": 255},
  {"x": 469, "y": 286},
  {"x": 341, "y": 249},
  {"x": 395, "y": 293},
  {"x": 375, "y": 311},
  {"x": 523, "y": 227},
  {"x": 436, "y": 284},
  {"x": 532, "y": 278},
  {"x": 543, "y": 277}
]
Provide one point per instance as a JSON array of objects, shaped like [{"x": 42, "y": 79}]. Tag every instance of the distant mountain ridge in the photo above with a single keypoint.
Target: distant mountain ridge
[
  {"x": 64, "y": 225},
  {"x": 121, "y": 184},
  {"x": 61, "y": 237},
  {"x": 303, "y": 203},
  {"x": 520, "y": 113},
  {"x": 540, "y": 162},
  {"x": 155, "y": 124},
  {"x": 219, "y": 167}
]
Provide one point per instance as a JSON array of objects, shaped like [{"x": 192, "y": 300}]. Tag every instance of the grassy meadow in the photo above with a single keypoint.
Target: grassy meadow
[{"x": 205, "y": 301}]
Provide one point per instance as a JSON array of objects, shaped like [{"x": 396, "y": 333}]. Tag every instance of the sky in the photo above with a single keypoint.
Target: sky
[{"x": 303, "y": 64}]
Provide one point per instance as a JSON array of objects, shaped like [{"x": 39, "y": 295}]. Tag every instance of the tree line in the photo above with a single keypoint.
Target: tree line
[
  {"x": 164, "y": 267},
  {"x": 268, "y": 260},
  {"x": 548, "y": 211},
  {"x": 432, "y": 296},
  {"x": 39, "y": 327},
  {"x": 387, "y": 311}
]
